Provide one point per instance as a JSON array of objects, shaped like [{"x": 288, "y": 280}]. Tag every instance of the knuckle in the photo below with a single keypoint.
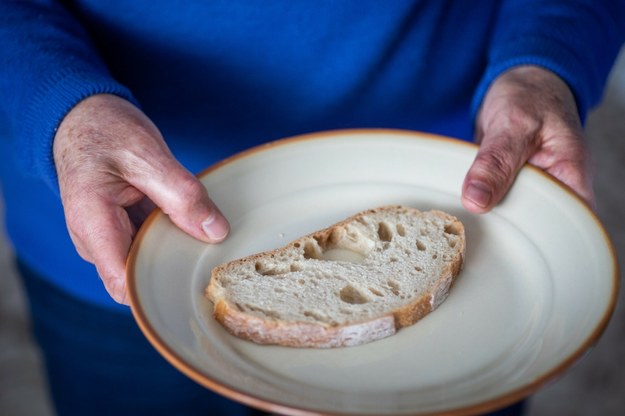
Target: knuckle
[
  {"x": 190, "y": 191},
  {"x": 74, "y": 222},
  {"x": 521, "y": 119},
  {"x": 496, "y": 163},
  {"x": 512, "y": 117}
]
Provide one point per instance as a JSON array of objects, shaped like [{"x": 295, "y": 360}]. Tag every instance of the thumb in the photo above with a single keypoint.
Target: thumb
[
  {"x": 185, "y": 200},
  {"x": 493, "y": 171}
]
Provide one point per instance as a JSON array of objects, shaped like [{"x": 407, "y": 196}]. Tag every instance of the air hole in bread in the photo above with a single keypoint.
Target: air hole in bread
[
  {"x": 421, "y": 246},
  {"x": 451, "y": 242},
  {"x": 352, "y": 295},
  {"x": 352, "y": 234},
  {"x": 400, "y": 230},
  {"x": 434, "y": 256},
  {"x": 376, "y": 292},
  {"x": 453, "y": 228},
  {"x": 295, "y": 267},
  {"x": 418, "y": 268},
  {"x": 315, "y": 315},
  {"x": 393, "y": 259},
  {"x": 268, "y": 270},
  {"x": 384, "y": 231},
  {"x": 312, "y": 250},
  {"x": 394, "y": 286}
]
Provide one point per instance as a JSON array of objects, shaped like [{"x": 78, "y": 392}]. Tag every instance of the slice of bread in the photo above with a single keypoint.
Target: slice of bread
[{"x": 357, "y": 281}]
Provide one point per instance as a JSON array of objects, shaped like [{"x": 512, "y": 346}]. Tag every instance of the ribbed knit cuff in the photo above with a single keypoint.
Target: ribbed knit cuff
[
  {"x": 57, "y": 96},
  {"x": 546, "y": 53}
]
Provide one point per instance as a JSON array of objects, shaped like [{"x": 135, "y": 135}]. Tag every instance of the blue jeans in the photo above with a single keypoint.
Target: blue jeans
[{"x": 98, "y": 362}]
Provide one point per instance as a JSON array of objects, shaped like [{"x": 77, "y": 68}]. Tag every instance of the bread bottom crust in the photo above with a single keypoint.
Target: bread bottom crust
[{"x": 302, "y": 334}]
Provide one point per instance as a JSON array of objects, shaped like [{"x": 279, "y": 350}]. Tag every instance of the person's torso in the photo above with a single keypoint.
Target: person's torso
[{"x": 220, "y": 76}]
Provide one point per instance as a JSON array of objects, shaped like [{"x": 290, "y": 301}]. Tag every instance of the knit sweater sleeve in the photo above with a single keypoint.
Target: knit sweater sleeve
[
  {"x": 47, "y": 65},
  {"x": 576, "y": 39}
]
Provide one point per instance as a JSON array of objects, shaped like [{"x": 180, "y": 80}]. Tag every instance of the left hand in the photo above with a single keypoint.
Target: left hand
[{"x": 528, "y": 115}]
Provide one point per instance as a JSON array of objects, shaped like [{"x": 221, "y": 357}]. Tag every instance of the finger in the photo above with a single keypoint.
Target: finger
[
  {"x": 185, "y": 200},
  {"x": 576, "y": 178},
  {"x": 102, "y": 233},
  {"x": 571, "y": 163},
  {"x": 498, "y": 160}
]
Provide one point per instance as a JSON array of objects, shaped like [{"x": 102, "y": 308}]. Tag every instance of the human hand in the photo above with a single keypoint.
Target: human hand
[
  {"x": 528, "y": 115},
  {"x": 112, "y": 163}
]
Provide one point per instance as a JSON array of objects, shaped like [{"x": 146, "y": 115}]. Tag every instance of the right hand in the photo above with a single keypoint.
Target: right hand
[{"x": 113, "y": 166}]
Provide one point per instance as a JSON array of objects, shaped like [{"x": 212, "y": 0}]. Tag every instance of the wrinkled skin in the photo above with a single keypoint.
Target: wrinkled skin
[
  {"x": 528, "y": 115},
  {"x": 114, "y": 166}
]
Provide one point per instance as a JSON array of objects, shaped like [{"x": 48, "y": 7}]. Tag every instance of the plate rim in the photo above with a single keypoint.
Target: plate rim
[{"x": 233, "y": 393}]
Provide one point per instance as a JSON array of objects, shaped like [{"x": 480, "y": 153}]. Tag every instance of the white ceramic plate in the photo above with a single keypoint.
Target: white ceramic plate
[{"x": 538, "y": 287}]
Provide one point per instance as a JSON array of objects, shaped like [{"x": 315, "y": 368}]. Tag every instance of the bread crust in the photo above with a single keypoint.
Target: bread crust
[
  {"x": 301, "y": 334},
  {"x": 323, "y": 335}
]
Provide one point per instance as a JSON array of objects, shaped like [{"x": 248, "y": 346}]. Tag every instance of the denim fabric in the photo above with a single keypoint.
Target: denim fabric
[{"x": 99, "y": 363}]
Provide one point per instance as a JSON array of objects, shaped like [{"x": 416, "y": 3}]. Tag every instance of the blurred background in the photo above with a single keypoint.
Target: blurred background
[{"x": 594, "y": 386}]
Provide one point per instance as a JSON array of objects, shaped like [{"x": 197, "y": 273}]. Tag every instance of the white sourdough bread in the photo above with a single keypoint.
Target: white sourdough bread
[{"x": 395, "y": 265}]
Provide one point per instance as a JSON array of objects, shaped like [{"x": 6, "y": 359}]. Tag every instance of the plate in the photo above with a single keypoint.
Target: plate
[{"x": 538, "y": 287}]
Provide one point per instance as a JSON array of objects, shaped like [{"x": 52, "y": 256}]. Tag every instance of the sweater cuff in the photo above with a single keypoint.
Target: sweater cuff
[
  {"x": 546, "y": 53},
  {"x": 57, "y": 96}
]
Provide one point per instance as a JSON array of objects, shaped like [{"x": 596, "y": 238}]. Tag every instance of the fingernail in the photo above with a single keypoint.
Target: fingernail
[
  {"x": 479, "y": 194},
  {"x": 216, "y": 227}
]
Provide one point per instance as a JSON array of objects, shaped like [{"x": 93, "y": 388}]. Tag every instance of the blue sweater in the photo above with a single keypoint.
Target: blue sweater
[{"x": 219, "y": 76}]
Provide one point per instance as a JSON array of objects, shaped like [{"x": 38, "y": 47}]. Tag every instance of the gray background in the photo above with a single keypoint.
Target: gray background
[{"x": 595, "y": 386}]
